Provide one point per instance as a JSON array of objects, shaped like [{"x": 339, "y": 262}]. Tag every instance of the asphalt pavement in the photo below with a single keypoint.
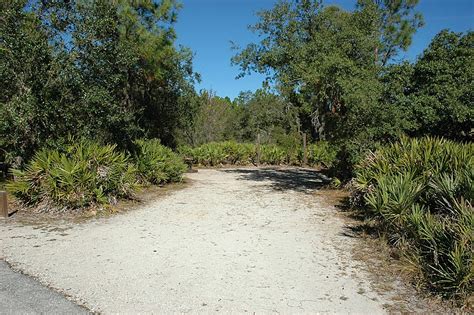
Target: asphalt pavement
[{"x": 20, "y": 294}]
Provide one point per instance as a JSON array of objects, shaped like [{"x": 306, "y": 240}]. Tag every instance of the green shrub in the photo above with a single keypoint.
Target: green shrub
[
  {"x": 420, "y": 191},
  {"x": 234, "y": 153},
  {"x": 221, "y": 153},
  {"x": 186, "y": 151},
  {"x": 273, "y": 155},
  {"x": 156, "y": 163},
  {"x": 83, "y": 174},
  {"x": 321, "y": 153},
  {"x": 238, "y": 153},
  {"x": 210, "y": 154}
]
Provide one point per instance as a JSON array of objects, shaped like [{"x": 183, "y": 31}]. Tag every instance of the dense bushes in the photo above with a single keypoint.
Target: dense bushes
[
  {"x": 81, "y": 175},
  {"x": 322, "y": 153},
  {"x": 156, "y": 163},
  {"x": 218, "y": 153},
  {"x": 68, "y": 67},
  {"x": 234, "y": 153},
  {"x": 274, "y": 155},
  {"x": 420, "y": 193},
  {"x": 86, "y": 173}
]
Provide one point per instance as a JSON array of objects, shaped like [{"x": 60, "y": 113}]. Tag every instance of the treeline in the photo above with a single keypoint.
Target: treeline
[
  {"x": 263, "y": 115},
  {"x": 338, "y": 71},
  {"x": 430, "y": 97},
  {"x": 110, "y": 71},
  {"x": 335, "y": 77},
  {"x": 105, "y": 70}
]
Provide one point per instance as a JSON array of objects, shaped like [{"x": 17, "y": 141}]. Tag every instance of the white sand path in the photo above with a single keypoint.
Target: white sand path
[{"x": 235, "y": 240}]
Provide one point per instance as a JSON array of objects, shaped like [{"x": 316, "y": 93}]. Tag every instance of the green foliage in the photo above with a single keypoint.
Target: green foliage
[
  {"x": 157, "y": 164},
  {"x": 328, "y": 63},
  {"x": 421, "y": 193},
  {"x": 320, "y": 57},
  {"x": 441, "y": 88},
  {"x": 397, "y": 23},
  {"x": 250, "y": 116},
  {"x": 105, "y": 70},
  {"x": 186, "y": 151},
  {"x": 433, "y": 96},
  {"x": 322, "y": 153},
  {"x": 268, "y": 117},
  {"x": 209, "y": 154},
  {"x": 220, "y": 153},
  {"x": 273, "y": 155},
  {"x": 83, "y": 174},
  {"x": 24, "y": 76},
  {"x": 214, "y": 119},
  {"x": 234, "y": 153},
  {"x": 238, "y": 153}
]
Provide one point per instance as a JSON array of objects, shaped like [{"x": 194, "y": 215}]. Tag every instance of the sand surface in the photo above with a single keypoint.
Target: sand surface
[{"x": 234, "y": 240}]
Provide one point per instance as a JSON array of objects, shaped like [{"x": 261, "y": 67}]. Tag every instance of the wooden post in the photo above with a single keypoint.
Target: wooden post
[
  {"x": 189, "y": 163},
  {"x": 305, "y": 150},
  {"x": 258, "y": 149},
  {"x": 3, "y": 204}
]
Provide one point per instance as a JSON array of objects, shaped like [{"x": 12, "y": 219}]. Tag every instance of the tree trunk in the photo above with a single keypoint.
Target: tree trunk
[{"x": 305, "y": 150}]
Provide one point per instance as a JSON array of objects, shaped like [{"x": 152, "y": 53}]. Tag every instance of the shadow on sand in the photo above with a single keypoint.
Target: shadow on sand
[{"x": 297, "y": 179}]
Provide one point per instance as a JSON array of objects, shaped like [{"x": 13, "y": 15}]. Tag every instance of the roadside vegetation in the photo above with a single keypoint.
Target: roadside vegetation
[
  {"x": 87, "y": 174},
  {"x": 233, "y": 153},
  {"x": 79, "y": 175},
  {"x": 419, "y": 194},
  {"x": 157, "y": 164},
  {"x": 111, "y": 72}
]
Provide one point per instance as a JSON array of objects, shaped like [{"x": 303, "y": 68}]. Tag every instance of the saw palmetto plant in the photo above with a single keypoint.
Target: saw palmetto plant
[
  {"x": 81, "y": 175},
  {"x": 420, "y": 193}
]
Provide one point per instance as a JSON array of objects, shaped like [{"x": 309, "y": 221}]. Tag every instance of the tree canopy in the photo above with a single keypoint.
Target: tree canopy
[
  {"x": 112, "y": 71},
  {"x": 338, "y": 68},
  {"x": 102, "y": 69}
]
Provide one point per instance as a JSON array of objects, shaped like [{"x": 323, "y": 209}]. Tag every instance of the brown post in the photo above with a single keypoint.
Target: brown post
[
  {"x": 305, "y": 150},
  {"x": 3, "y": 204},
  {"x": 258, "y": 149}
]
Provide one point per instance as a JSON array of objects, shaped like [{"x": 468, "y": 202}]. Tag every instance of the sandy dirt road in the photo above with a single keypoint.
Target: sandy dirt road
[{"x": 234, "y": 240}]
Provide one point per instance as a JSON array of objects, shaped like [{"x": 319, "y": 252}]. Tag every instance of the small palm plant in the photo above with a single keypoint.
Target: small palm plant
[
  {"x": 420, "y": 191},
  {"x": 157, "y": 164},
  {"x": 83, "y": 174}
]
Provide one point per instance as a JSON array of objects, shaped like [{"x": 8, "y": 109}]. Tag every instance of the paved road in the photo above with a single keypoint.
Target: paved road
[
  {"x": 20, "y": 294},
  {"x": 235, "y": 240}
]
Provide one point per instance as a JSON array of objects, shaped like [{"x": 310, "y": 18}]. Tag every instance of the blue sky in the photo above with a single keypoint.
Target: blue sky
[{"x": 208, "y": 27}]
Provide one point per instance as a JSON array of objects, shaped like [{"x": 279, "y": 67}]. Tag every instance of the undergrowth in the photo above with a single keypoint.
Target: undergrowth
[
  {"x": 419, "y": 192},
  {"x": 78, "y": 176},
  {"x": 234, "y": 153},
  {"x": 156, "y": 163},
  {"x": 85, "y": 174}
]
